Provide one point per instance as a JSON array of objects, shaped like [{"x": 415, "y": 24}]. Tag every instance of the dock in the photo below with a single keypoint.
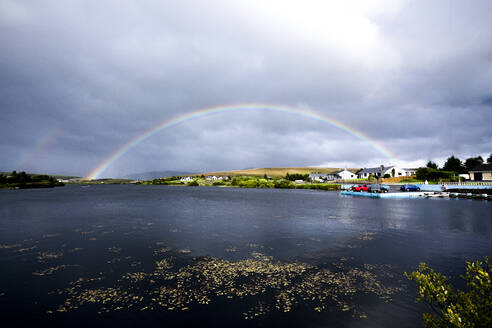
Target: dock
[{"x": 417, "y": 194}]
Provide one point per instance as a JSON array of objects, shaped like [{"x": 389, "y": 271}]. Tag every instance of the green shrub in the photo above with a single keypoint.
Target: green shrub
[
  {"x": 284, "y": 184},
  {"x": 193, "y": 184},
  {"x": 248, "y": 183},
  {"x": 456, "y": 308}
]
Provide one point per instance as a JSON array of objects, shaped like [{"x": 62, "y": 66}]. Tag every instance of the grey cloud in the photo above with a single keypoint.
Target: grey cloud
[{"x": 416, "y": 77}]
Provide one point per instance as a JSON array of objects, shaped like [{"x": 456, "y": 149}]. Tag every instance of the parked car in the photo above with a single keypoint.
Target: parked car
[
  {"x": 409, "y": 187},
  {"x": 361, "y": 188},
  {"x": 378, "y": 188}
]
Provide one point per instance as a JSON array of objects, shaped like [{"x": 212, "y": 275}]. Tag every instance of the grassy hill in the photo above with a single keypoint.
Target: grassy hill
[{"x": 277, "y": 172}]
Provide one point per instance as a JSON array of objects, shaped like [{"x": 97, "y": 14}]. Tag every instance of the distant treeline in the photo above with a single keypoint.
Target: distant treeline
[
  {"x": 250, "y": 182},
  {"x": 22, "y": 180},
  {"x": 451, "y": 168}
]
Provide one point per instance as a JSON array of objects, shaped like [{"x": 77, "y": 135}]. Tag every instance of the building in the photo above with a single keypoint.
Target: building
[
  {"x": 380, "y": 172},
  {"x": 482, "y": 172},
  {"x": 319, "y": 177},
  {"x": 337, "y": 175},
  {"x": 186, "y": 179},
  {"x": 345, "y": 175}
]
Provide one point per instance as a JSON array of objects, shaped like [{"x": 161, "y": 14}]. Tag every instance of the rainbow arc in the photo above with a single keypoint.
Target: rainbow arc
[{"x": 200, "y": 113}]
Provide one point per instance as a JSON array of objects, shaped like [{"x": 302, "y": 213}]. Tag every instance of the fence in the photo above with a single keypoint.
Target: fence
[{"x": 469, "y": 183}]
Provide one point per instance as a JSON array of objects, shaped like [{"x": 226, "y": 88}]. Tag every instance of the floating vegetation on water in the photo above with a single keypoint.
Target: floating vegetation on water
[
  {"x": 263, "y": 284},
  {"x": 26, "y": 249},
  {"x": 230, "y": 249},
  {"x": 76, "y": 249},
  {"x": 161, "y": 251},
  {"x": 92, "y": 239},
  {"x": 173, "y": 230},
  {"x": 258, "y": 309},
  {"x": 114, "y": 249},
  {"x": 185, "y": 251},
  {"x": 43, "y": 256},
  {"x": 49, "y": 271},
  {"x": 9, "y": 246}
]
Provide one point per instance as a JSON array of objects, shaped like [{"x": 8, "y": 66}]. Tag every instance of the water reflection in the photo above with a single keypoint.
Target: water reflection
[{"x": 171, "y": 252}]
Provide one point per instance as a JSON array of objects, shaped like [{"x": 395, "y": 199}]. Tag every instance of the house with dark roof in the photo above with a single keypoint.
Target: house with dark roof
[
  {"x": 380, "y": 172},
  {"x": 482, "y": 172}
]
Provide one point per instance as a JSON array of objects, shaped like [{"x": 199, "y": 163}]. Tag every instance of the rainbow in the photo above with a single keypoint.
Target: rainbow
[
  {"x": 39, "y": 147},
  {"x": 94, "y": 174}
]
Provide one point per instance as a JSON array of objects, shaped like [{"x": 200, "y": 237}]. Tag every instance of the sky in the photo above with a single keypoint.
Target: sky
[{"x": 80, "y": 80}]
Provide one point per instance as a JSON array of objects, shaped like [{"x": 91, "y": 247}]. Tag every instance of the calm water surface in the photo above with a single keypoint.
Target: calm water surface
[{"x": 126, "y": 255}]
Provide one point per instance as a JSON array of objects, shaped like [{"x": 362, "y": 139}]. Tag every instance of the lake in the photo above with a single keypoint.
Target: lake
[{"x": 127, "y": 255}]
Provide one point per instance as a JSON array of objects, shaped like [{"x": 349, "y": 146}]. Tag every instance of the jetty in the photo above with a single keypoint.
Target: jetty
[{"x": 417, "y": 194}]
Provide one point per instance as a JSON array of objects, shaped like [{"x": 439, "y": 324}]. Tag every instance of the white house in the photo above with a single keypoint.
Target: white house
[
  {"x": 216, "y": 178},
  {"x": 186, "y": 179},
  {"x": 345, "y": 175},
  {"x": 338, "y": 175},
  {"x": 379, "y": 172}
]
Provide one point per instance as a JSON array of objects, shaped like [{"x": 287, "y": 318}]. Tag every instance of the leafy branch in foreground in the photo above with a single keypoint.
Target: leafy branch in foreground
[{"x": 472, "y": 308}]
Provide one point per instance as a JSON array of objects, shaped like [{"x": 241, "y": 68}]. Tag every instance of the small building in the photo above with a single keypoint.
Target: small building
[
  {"x": 482, "y": 172},
  {"x": 345, "y": 175},
  {"x": 319, "y": 177},
  {"x": 410, "y": 172},
  {"x": 186, "y": 179}
]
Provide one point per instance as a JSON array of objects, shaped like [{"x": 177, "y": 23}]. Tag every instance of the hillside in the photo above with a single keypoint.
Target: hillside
[
  {"x": 277, "y": 172},
  {"x": 155, "y": 175}
]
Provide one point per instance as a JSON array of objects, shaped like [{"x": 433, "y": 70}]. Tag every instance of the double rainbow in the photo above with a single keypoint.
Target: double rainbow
[{"x": 95, "y": 173}]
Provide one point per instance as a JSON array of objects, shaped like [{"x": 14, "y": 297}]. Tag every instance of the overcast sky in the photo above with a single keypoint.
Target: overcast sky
[{"x": 80, "y": 79}]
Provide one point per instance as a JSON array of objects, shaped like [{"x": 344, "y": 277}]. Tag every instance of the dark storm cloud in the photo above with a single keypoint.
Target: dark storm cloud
[{"x": 415, "y": 76}]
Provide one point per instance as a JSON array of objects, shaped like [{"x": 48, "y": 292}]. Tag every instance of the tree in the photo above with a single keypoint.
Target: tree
[
  {"x": 454, "y": 164},
  {"x": 450, "y": 308},
  {"x": 393, "y": 172},
  {"x": 472, "y": 162},
  {"x": 432, "y": 165},
  {"x": 489, "y": 160}
]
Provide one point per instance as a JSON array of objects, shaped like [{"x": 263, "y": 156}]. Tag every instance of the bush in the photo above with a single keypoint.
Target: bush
[
  {"x": 458, "y": 308},
  {"x": 319, "y": 186},
  {"x": 386, "y": 176},
  {"x": 248, "y": 183},
  {"x": 425, "y": 173},
  {"x": 296, "y": 176},
  {"x": 284, "y": 184},
  {"x": 193, "y": 184},
  {"x": 264, "y": 183}
]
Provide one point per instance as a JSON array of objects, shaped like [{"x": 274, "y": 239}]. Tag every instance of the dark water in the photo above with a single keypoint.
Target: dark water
[{"x": 179, "y": 256}]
